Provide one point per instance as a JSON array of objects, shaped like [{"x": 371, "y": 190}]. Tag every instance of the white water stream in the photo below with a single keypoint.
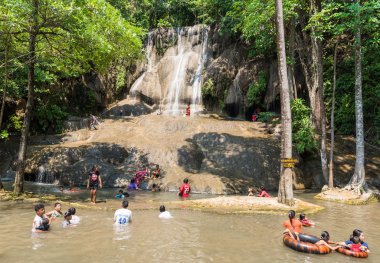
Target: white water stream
[{"x": 175, "y": 77}]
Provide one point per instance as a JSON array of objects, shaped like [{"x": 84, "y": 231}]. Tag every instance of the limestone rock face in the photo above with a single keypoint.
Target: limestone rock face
[{"x": 62, "y": 165}]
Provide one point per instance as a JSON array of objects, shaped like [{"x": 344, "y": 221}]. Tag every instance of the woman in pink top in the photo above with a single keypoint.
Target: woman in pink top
[{"x": 263, "y": 192}]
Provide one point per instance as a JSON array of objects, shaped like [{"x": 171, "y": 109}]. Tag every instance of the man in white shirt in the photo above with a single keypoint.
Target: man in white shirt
[
  {"x": 164, "y": 214},
  {"x": 123, "y": 215},
  {"x": 39, "y": 222}
]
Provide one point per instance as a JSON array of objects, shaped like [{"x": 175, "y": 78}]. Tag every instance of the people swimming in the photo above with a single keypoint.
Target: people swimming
[
  {"x": 164, "y": 214},
  {"x": 185, "y": 189},
  {"x": 123, "y": 215},
  {"x": 324, "y": 241},
  {"x": 94, "y": 182},
  {"x": 292, "y": 226},
  {"x": 70, "y": 218},
  {"x": 263, "y": 192},
  {"x": 356, "y": 233},
  {"x": 56, "y": 212},
  {"x": 121, "y": 194},
  {"x": 41, "y": 222},
  {"x": 305, "y": 221}
]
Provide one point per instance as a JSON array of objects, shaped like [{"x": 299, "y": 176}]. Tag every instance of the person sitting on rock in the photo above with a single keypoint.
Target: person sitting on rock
[
  {"x": 156, "y": 173},
  {"x": 263, "y": 192},
  {"x": 250, "y": 191},
  {"x": 133, "y": 185},
  {"x": 141, "y": 175}
]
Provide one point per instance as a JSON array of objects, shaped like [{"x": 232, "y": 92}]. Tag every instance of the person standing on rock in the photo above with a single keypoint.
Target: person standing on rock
[
  {"x": 188, "y": 110},
  {"x": 185, "y": 189},
  {"x": 94, "y": 182}
]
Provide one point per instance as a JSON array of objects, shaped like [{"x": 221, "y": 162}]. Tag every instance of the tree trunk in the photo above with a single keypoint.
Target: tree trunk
[
  {"x": 331, "y": 166},
  {"x": 292, "y": 48},
  {"x": 33, "y": 31},
  {"x": 358, "y": 179},
  {"x": 317, "y": 90},
  {"x": 5, "y": 80},
  {"x": 285, "y": 190}
]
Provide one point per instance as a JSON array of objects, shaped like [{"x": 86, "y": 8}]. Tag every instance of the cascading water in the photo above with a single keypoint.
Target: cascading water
[
  {"x": 175, "y": 62},
  {"x": 176, "y": 83},
  {"x": 136, "y": 85},
  {"x": 43, "y": 176},
  {"x": 196, "y": 102}
]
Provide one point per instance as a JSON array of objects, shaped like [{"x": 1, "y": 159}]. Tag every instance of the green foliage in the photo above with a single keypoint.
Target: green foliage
[
  {"x": 120, "y": 78},
  {"x": 4, "y": 135},
  {"x": 266, "y": 116},
  {"x": 15, "y": 123},
  {"x": 50, "y": 118},
  {"x": 302, "y": 128},
  {"x": 208, "y": 89},
  {"x": 256, "y": 89}
]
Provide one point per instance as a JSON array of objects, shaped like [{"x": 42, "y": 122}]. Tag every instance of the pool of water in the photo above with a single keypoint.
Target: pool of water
[{"x": 191, "y": 236}]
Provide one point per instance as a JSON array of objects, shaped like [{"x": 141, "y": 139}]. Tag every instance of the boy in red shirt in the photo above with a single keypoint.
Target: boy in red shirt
[{"x": 185, "y": 189}]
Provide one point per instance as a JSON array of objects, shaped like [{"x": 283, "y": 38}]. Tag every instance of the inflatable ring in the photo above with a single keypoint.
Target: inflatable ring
[
  {"x": 305, "y": 247},
  {"x": 351, "y": 253},
  {"x": 308, "y": 238}
]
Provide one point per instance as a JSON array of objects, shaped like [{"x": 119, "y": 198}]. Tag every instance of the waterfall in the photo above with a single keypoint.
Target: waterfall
[
  {"x": 196, "y": 102},
  {"x": 136, "y": 85},
  {"x": 176, "y": 83},
  {"x": 175, "y": 63},
  {"x": 43, "y": 176}
]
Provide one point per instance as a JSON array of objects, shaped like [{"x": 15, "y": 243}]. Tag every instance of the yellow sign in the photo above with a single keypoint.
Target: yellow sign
[{"x": 288, "y": 162}]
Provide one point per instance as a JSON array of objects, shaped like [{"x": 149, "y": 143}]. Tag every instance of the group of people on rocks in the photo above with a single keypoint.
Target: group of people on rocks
[
  {"x": 293, "y": 227},
  {"x": 94, "y": 181},
  {"x": 42, "y": 220},
  {"x": 262, "y": 192}
]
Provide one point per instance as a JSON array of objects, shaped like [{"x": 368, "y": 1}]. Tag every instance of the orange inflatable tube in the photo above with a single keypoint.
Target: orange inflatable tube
[
  {"x": 305, "y": 247},
  {"x": 351, "y": 253}
]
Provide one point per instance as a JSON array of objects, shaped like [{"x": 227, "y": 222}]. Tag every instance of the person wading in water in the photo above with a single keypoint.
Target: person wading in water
[{"x": 94, "y": 182}]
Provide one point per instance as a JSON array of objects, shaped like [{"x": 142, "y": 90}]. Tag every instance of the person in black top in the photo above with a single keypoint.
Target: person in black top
[{"x": 94, "y": 182}]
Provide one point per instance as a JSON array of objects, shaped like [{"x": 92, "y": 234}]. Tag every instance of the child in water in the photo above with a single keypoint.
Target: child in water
[
  {"x": 56, "y": 212},
  {"x": 44, "y": 226},
  {"x": 305, "y": 221},
  {"x": 121, "y": 195},
  {"x": 250, "y": 191},
  {"x": 324, "y": 241},
  {"x": 70, "y": 217},
  {"x": 355, "y": 246}
]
